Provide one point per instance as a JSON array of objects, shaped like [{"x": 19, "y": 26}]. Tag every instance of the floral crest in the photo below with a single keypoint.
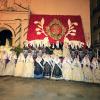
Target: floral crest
[{"x": 55, "y": 29}]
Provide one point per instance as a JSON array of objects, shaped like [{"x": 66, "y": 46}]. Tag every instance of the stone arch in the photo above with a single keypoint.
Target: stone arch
[
  {"x": 5, "y": 36},
  {"x": 10, "y": 29}
]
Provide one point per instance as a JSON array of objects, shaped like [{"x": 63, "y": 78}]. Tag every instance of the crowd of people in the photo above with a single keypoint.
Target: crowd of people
[{"x": 76, "y": 64}]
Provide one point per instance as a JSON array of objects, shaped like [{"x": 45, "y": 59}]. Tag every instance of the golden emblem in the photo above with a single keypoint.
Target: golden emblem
[{"x": 55, "y": 29}]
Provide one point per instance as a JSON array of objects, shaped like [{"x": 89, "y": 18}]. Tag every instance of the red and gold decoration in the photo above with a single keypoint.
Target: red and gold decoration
[{"x": 53, "y": 28}]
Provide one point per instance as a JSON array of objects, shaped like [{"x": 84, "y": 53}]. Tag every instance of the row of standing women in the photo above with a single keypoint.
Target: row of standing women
[{"x": 50, "y": 66}]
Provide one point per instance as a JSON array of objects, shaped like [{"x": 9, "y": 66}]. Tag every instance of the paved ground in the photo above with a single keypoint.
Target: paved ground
[{"x": 12, "y": 88}]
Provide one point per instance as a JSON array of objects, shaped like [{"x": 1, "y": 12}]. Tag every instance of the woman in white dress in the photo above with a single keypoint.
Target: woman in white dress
[
  {"x": 88, "y": 75},
  {"x": 10, "y": 67},
  {"x": 94, "y": 63},
  {"x": 77, "y": 72},
  {"x": 66, "y": 51},
  {"x": 96, "y": 70},
  {"x": 29, "y": 68},
  {"x": 3, "y": 62},
  {"x": 67, "y": 68},
  {"x": 20, "y": 65},
  {"x": 1, "y": 65},
  {"x": 0, "y": 62}
]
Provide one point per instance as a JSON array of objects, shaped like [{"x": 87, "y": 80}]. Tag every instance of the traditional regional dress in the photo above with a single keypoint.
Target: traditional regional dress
[
  {"x": 10, "y": 67},
  {"x": 66, "y": 51},
  {"x": 25, "y": 52},
  {"x": 34, "y": 52},
  {"x": 47, "y": 66},
  {"x": 67, "y": 68},
  {"x": 28, "y": 68},
  {"x": 38, "y": 71},
  {"x": 20, "y": 65},
  {"x": 3, "y": 62},
  {"x": 77, "y": 72},
  {"x": 56, "y": 69},
  {"x": 96, "y": 71},
  {"x": 2, "y": 67},
  {"x": 88, "y": 75}
]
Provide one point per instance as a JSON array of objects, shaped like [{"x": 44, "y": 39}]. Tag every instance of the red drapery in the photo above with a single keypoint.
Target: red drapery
[{"x": 55, "y": 27}]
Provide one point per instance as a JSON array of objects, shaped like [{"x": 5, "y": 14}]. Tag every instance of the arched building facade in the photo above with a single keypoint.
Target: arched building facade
[{"x": 15, "y": 19}]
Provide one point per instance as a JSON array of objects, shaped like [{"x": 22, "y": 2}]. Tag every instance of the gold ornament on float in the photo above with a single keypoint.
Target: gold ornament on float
[{"x": 55, "y": 29}]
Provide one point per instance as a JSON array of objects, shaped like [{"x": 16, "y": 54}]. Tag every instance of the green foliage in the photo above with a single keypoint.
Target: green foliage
[{"x": 18, "y": 50}]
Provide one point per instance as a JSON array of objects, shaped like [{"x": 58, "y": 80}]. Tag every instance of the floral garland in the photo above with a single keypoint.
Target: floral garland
[{"x": 55, "y": 29}]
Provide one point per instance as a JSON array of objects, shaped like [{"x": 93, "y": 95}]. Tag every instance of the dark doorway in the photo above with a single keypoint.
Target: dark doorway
[{"x": 5, "y": 34}]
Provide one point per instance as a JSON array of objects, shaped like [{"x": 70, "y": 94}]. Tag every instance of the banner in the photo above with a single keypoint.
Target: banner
[{"x": 56, "y": 28}]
